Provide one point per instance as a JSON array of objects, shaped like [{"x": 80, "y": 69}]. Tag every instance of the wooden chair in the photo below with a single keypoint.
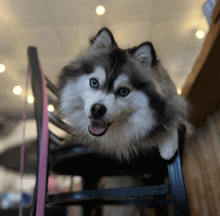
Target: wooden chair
[{"x": 72, "y": 159}]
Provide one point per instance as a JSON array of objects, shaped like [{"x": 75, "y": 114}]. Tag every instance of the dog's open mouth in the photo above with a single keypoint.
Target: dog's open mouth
[{"x": 98, "y": 128}]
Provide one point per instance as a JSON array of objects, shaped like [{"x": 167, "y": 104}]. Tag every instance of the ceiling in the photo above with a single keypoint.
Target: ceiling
[{"x": 61, "y": 29}]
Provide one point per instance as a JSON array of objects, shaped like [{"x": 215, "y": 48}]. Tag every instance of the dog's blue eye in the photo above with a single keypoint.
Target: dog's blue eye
[
  {"x": 94, "y": 83},
  {"x": 123, "y": 92}
]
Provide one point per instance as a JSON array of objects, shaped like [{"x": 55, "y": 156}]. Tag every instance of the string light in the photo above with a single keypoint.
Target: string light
[
  {"x": 17, "y": 90},
  {"x": 30, "y": 99},
  {"x": 50, "y": 108},
  {"x": 200, "y": 34},
  {"x": 179, "y": 91},
  {"x": 2, "y": 68},
  {"x": 100, "y": 10}
]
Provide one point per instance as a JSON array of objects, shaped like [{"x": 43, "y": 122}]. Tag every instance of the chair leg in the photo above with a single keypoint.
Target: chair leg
[
  {"x": 177, "y": 186},
  {"x": 88, "y": 184},
  {"x": 34, "y": 201},
  {"x": 162, "y": 209}
]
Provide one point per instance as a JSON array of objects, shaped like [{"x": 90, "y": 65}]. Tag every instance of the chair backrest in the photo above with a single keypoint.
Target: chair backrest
[
  {"x": 37, "y": 88},
  {"x": 36, "y": 83}
]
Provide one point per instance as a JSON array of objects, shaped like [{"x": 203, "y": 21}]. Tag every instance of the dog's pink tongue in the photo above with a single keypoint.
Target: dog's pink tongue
[{"x": 97, "y": 127}]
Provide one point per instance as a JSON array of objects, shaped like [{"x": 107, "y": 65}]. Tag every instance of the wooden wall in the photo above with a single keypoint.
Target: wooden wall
[{"x": 201, "y": 168}]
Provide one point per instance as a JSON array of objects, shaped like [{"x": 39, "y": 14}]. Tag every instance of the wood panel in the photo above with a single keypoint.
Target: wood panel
[
  {"x": 202, "y": 87},
  {"x": 201, "y": 168}
]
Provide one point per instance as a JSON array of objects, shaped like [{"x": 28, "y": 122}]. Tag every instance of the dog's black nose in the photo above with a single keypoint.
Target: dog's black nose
[{"x": 98, "y": 110}]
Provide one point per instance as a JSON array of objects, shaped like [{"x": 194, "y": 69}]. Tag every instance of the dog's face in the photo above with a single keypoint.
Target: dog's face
[
  {"x": 111, "y": 96},
  {"x": 98, "y": 104}
]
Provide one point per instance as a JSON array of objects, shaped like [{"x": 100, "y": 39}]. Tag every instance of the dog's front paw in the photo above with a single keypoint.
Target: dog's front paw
[{"x": 169, "y": 146}]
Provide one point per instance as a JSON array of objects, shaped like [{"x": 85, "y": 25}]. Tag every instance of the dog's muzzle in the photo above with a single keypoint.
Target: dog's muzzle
[{"x": 98, "y": 127}]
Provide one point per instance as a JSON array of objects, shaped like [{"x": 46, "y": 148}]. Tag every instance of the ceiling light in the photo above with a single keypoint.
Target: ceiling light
[
  {"x": 50, "y": 108},
  {"x": 179, "y": 91},
  {"x": 200, "y": 34},
  {"x": 100, "y": 10},
  {"x": 30, "y": 99},
  {"x": 17, "y": 90},
  {"x": 2, "y": 68}
]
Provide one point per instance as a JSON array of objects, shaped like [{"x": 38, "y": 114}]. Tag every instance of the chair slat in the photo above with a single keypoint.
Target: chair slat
[
  {"x": 108, "y": 196},
  {"x": 52, "y": 87},
  {"x": 55, "y": 139},
  {"x": 60, "y": 123}
]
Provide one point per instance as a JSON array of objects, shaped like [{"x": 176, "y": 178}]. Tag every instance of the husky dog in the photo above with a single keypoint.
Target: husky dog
[{"x": 121, "y": 101}]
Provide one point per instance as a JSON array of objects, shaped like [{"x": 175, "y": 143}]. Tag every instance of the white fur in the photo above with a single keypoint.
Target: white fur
[
  {"x": 122, "y": 81},
  {"x": 131, "y": 116},
  {"x": 169, "y": 146},
  {"x": 99, "y": 74}
]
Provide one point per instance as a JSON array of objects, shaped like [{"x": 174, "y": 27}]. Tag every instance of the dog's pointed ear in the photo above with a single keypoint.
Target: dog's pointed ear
[
  {"x": 145, "y": 54},
  {"x": 103, "y": 39}
]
